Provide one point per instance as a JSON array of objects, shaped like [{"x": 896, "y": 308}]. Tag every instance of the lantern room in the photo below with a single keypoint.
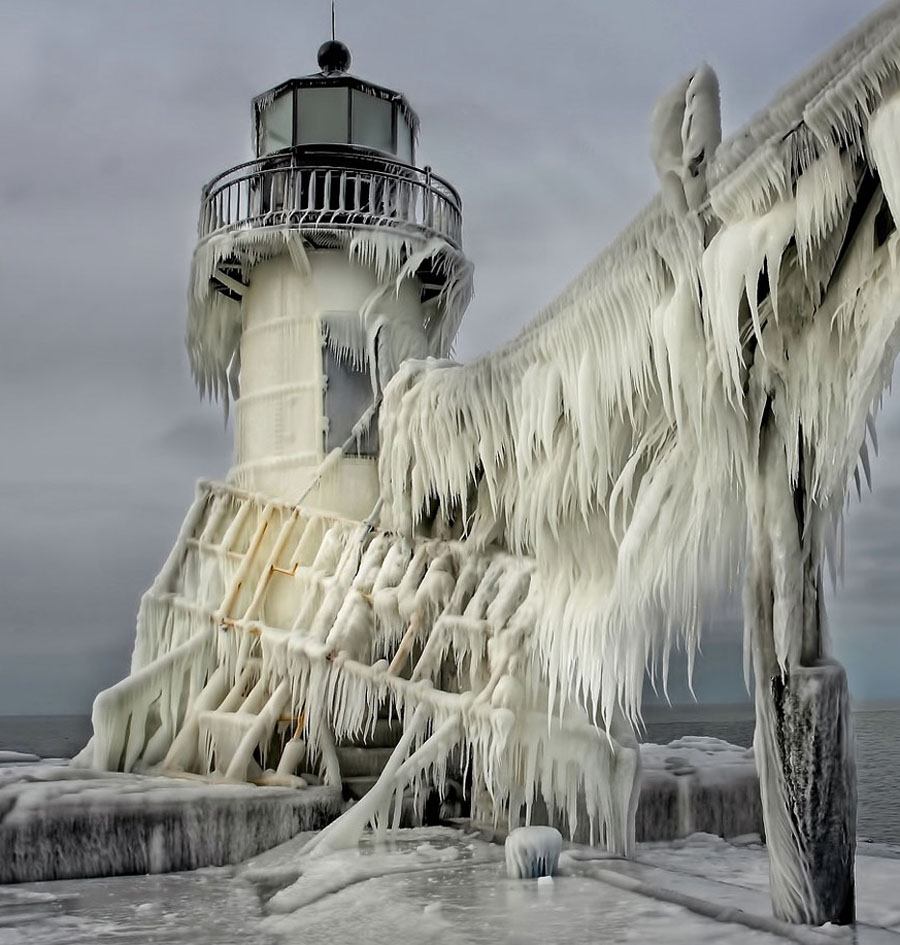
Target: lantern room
[{"x": 334, "y": 108}]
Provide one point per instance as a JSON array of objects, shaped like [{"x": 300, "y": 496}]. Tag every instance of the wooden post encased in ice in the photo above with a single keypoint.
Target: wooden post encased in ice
[{"x": 803, "y": 742}]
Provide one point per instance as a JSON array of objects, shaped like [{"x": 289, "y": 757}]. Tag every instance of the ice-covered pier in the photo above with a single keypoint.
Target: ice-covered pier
[
  {"x": 446, "y": 886},
  {"x": 58, "y": 822}
]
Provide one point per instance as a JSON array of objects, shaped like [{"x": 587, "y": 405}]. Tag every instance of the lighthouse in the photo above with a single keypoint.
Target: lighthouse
[
  {"x": 293, "y": 637},
  {"x": 321, "y": 265}
]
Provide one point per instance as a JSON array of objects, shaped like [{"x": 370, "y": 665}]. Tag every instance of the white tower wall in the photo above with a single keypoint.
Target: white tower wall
[{"x": 281, "y": 423}]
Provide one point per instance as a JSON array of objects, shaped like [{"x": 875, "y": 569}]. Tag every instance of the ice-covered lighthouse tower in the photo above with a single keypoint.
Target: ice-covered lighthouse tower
[
  {"x": 321, "y": 265},
  {"x": 291, "y": 632}
]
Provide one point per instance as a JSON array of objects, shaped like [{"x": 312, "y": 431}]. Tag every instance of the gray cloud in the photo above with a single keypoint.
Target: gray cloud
[{"x": 113, "y": 116}]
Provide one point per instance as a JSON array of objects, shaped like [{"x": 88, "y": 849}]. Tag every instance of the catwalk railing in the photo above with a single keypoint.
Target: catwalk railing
[{"x": 331, "y": 189}]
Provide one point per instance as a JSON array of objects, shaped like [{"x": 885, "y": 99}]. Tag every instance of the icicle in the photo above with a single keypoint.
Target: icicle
[
  {"x": 605, "y": 464},
  {"x": 214, "y": 321}
]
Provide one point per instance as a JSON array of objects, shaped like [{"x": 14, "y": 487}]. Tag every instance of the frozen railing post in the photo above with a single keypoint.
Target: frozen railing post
[
  {"x": 803, "y": 741},
  {"x": 429, "y": 197}
]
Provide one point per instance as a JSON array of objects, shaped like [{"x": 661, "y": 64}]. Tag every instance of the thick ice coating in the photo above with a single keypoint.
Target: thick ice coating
[
  {"x": 689, "y": 411},
  {"x": 270, "y": 626},
  {"x": 532, "y": 852},
  {"x": 215, "y": 323}
]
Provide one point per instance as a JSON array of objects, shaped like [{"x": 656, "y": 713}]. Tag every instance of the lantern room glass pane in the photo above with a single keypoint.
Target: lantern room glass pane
[
  {"x": 323, "y": 116},
  {"x": 277, "y": 124},
  {"x": 372, "y": 122}
]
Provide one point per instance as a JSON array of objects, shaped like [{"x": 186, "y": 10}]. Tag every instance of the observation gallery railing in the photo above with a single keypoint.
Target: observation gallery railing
[{"x": 331, "y": 189}]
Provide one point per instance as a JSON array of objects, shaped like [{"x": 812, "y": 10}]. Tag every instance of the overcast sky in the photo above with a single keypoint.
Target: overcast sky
[{"x": 113, "y": 114}]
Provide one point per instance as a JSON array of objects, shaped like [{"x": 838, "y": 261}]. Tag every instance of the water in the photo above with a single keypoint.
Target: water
[
  {"x": 877, "y": 749},
  {"x": 50, "y": 736}
]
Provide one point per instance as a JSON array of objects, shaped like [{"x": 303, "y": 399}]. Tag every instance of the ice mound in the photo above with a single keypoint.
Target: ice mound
[
  {"x": 697, "y": 783},
  {"x": 60, "y": 822},
  {"x": 532, "y": 852},
  {"x": 17, "y": 757},
  {"x": 693, "y": 784}
]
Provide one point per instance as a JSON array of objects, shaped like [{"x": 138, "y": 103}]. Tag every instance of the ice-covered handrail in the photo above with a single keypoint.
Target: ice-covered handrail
[
  {"x": 119, "y": 714},
  {"x": 303, "y": 605},
  {"x": 690, "y": 411},
  {"x": 316, "y": 187},
  {"x": 392, "y": 217}
]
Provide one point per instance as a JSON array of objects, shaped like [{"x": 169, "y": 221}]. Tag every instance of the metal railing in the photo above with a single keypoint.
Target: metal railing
[{"x": 331, "y": 189}]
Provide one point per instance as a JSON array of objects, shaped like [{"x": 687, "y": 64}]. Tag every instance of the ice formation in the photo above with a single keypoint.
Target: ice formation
[
  {"x": 697, "y": 784},
  {"x": 16, "y": 757},
  {"x": 686, "y": 130},
  {"x": 689, "y": 412},
  {"x": 700, "y": 890},
  {"x": 269, "y": 625},
  {"x": 705, "y": 388},
  {"x": 617, "y": 438},
  {"x": 532, "y": 852},
  {"x": 215, "y": 322},
  {"x": 57, "y": 822}
]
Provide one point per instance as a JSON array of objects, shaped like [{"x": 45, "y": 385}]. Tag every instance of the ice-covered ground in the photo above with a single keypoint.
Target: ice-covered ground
[
  {"x": 691, "y": 752},
  {"x": 17, "y": 757},
  {"x": 444, "y": 886},
  {"x": 436, "y": 884}
]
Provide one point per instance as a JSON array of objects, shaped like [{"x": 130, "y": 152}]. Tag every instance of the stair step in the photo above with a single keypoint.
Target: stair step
[
  {"x": 385, "y": 735},
  {"x": 362, "y": 761},
  {"x": 355, "y": 788}
]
